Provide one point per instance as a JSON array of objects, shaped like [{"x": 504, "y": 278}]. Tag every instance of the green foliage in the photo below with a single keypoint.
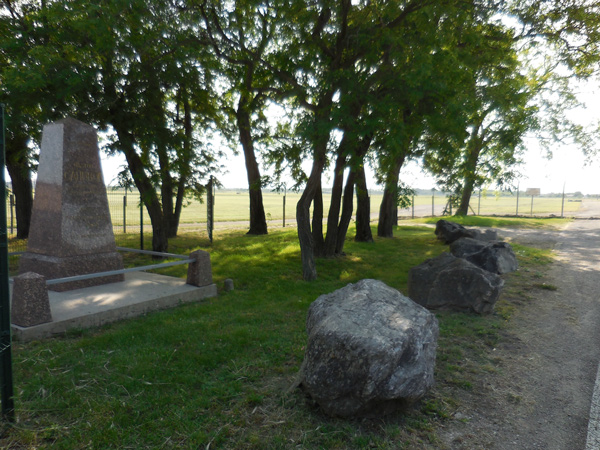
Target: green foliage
[
  {"x": 131, "y": 68},
  {"x": 297, "y": 81},
  {"x": 405, "y": 196},
  {"x": 570, "y": 27},
  {"x": 497, "y": 113}
]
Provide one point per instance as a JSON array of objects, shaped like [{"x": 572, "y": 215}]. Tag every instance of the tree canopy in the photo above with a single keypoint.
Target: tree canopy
[{"x": 361, "y": 82}]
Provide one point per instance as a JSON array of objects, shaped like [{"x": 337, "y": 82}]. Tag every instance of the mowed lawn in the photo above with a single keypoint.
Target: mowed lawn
[{"x": 216, "y": 374}]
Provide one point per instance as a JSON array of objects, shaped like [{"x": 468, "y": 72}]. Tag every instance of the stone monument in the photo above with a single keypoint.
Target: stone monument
[{"x": 71, "y": 230}]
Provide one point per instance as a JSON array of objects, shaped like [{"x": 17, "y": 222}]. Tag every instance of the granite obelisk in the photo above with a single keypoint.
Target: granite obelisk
[{"x": 71, "y": 230}]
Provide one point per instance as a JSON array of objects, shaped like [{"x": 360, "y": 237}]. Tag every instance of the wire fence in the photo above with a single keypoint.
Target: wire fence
[
  {"x": 231, "y": 210},
  {"x": 494, "y": 203}
]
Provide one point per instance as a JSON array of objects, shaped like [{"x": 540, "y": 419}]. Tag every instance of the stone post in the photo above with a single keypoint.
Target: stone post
[
  {"x": 199, "y": 271},
  {"x": 30, "y": 303}
]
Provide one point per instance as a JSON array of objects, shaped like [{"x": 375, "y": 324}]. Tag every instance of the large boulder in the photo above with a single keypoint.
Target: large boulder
[
  {"x": 449, "y": 232},
  {"x": 370, "y": 350},
  {"x": 496, "y": 257},
  {"x": 448, "y": 282}
]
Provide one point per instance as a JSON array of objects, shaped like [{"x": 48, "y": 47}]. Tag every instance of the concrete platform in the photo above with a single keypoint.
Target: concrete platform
[{"x": 140, "y": 293}]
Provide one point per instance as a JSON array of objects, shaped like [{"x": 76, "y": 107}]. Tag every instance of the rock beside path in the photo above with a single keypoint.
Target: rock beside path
[
  {"x": 448, "y": 282},
  {"x": 370, "y": 350},
  {"x": 449, "y": 232},
  {"x": 495, "y": 256}
]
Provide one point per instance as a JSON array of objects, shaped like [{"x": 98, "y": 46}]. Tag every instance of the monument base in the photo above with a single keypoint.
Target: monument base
[{"x": 53, "y": 267}]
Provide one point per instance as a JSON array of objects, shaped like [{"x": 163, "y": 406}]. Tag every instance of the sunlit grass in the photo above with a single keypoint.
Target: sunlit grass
[{"x": 499, "y": 222}]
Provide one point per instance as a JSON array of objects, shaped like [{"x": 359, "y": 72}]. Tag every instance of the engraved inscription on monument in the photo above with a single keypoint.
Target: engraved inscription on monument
[{"x": 71, "y": 230}]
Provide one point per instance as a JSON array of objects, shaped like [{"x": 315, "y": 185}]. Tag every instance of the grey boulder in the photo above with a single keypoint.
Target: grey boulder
[
  {"x": 449, "y": 232},
  {"x": 448, "y": 282},
  {"x": 370, "y": 350},
  {"x": 496, "y": 256}
]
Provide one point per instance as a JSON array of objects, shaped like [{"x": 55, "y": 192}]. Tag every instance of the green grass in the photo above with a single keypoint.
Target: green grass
[
  {"x": 216, "y": 374},
  {"x": 500, "y": 222}
]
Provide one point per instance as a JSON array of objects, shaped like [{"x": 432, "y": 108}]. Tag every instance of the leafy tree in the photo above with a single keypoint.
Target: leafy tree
[
  {"x": 498, "y": 113},
  {"x": 419, "y": 80},
  {"x": 569, "y": 28},
  {"x": 240, "y": 34},
  {"x": 322, "y": 47},
  {"x": 567, "y": 33},
  {"x": 22, "y": 29},
  {"x": 133, "y": 69}
]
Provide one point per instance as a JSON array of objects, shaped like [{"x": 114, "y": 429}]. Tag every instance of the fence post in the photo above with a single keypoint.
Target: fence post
[
  {"x": 141, "y": 223},
  {"x": 517, "y": 214},
  {"x": 12, "y": 216},
  {"x": 479, "y": 203},
  {"x": 6, "y": 380},
  {"x": 413, "y": 206},
  {"x": 125, "y": 212},
  {"x": 531, "y": 214},
  {"x": 562, "y": 207},
  {"x": 210, "y": 209},
  {"x": 284, "y": 195}
]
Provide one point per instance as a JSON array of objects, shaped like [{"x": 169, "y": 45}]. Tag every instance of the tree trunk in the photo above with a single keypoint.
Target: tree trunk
[
  {"x": 363, "y": 208},
  {"x": 469, "y": 179},
  {"x": 305, "y": 236},
  {"x": 336, "y": 199},
  {"x": 313, "y": 186},
  {"x": 317, "y": 222},
  {"x": 166, "y": 190},
  {"x": 346, "y": 217},
  {"x": 160, "y": 241},
  {"x": 187, "y": 156},
  {"x": 121, "y": 121},
  {"x": 465, "y": 198},
  {"x": 385, "y": 227},
  {"x": 20, "y": 177},
  {"x": 258, "y": 221},
  {"x": 23, "y": 189}
]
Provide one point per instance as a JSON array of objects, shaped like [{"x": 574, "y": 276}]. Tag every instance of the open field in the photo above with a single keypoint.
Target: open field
[
  {"x": 231, "y": 206},
  {"x": 214, "y": 375}
]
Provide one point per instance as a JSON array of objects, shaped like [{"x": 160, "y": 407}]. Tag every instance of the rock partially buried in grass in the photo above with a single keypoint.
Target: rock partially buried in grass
[{"x": 370, "y": 350}]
